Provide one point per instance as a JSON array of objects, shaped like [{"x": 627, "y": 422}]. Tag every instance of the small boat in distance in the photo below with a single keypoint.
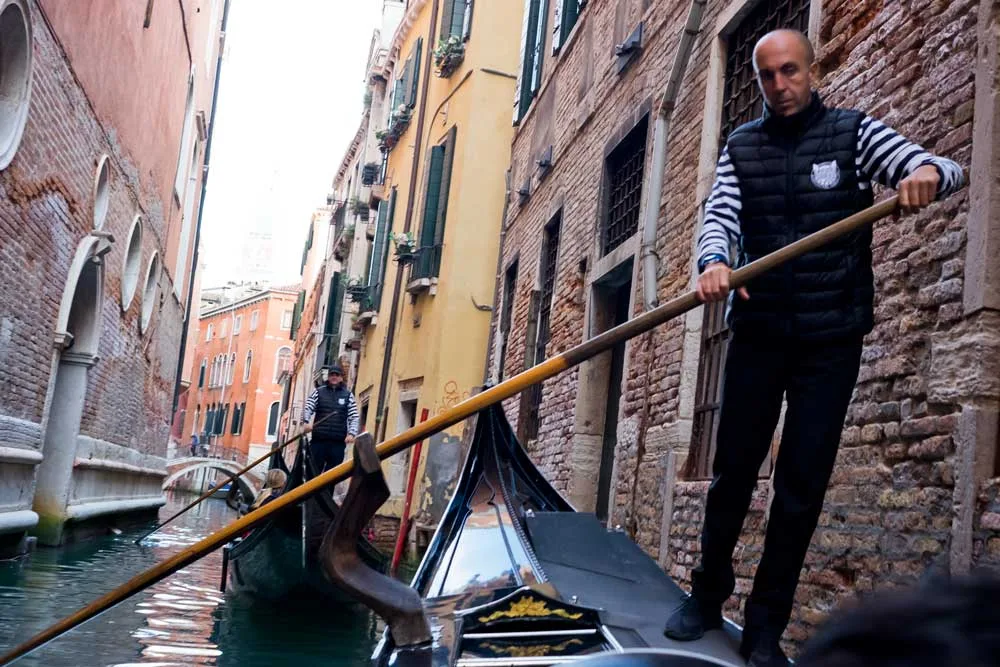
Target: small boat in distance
[{"x": 277, "y": 559}]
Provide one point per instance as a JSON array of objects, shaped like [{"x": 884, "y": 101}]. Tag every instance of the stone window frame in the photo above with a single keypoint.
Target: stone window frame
[
  {"x": 149, "y": 292},
  {"x": 10, "y": 145},
  {"x": 727, "y": 22},
  {"x": 102, "y": 192},
  {"x": 131, "y": 261}
]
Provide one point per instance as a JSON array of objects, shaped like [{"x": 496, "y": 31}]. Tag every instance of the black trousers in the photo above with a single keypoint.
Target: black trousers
[
  {"x": 326, "y": 454},
  {"x": 817, "y": 380}
]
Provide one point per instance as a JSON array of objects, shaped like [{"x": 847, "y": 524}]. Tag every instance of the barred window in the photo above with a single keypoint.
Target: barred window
[
  {"x": 507, "y": 313},
  {"x": 742, "y": 102},
  {"x": 625, "y": 167},
  {"x": 531, "y": 400}
]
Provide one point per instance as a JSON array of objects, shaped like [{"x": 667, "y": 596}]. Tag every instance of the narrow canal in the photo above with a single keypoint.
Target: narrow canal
[{"x": 182, "y": 620}]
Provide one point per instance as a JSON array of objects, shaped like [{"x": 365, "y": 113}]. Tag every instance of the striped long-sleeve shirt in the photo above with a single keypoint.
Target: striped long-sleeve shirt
[
  {"x": 352, "y": 411},
  {"x": 883, "y": 156}
]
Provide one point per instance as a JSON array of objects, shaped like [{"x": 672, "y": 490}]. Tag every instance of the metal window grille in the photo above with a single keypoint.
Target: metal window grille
[
  {"x": 742, "y": 101},
  {"x": 550, "y": 250},
  {"x": 625, "y": 169},
  {"x": 507, "y": 314}
]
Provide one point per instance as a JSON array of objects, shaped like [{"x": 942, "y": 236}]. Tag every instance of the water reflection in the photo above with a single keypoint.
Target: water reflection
[{"x": 182, "y": 620}]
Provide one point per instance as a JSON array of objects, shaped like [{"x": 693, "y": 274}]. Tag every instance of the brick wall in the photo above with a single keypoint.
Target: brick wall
[
  {"x": 890, "y": 508},
  {"x": 46, "y": 208}
]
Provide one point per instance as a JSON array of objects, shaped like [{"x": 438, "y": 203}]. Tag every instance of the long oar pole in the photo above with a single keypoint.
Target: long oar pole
[
  {"x": 232, "y": 477},
  {"x": 466, "y": 408}
]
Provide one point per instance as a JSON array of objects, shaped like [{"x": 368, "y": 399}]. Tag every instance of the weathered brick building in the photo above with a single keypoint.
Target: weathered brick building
[
  {"x": 629, "y": 435},
  {"x": 102, "y": 133}
]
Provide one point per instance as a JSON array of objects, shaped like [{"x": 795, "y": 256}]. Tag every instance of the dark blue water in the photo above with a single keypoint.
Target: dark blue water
[{"x": 182, "y": 620}]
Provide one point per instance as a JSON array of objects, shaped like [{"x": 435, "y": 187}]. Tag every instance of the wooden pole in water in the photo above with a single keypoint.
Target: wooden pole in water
[{"x": 467, "y": 408}]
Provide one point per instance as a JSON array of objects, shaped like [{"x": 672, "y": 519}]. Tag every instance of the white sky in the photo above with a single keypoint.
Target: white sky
[{"x": 290, "y": 101}]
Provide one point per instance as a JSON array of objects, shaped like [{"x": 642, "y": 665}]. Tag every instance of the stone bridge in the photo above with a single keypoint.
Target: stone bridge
[{"x": 250, "y": 483}]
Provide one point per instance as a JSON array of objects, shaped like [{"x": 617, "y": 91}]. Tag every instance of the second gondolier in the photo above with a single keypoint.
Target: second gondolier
[{"x": 336, "y": 412}]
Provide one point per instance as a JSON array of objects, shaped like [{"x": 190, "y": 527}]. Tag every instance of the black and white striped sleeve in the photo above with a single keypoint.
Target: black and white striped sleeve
[
  {"x": 352, "y": 415},
  {"x": 721, "y": 225},
  {"x": 887, "y": 157},
  {"x": 310, "y": 407}
]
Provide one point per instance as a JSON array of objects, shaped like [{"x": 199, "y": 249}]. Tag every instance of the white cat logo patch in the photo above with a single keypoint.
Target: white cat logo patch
[
  {"x": 826, "y": 175},
  {"x": 341, "y": 401}
]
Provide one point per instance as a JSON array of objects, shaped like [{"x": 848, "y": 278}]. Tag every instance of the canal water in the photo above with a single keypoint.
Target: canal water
[{"x": 182, "y": 620}]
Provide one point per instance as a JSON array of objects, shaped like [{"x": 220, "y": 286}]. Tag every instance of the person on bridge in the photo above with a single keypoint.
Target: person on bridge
[
  {"x": 333, "y": 403},
  {"x": 796, "y": 331}
]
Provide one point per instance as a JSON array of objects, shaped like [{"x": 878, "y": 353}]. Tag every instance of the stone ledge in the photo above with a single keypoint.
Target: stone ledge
[
  {"x": 20, "y": 455},
  {"x": 105, "y": 464},
  {"x": 17, "y": 521},
  {"x": 109, "y": 453},
  {"x": 89, "y": 510},
  {"x": 20, "y": 433}
]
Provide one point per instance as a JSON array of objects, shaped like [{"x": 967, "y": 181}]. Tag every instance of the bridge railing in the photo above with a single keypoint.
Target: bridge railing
[{"x": 214, "y": 451}]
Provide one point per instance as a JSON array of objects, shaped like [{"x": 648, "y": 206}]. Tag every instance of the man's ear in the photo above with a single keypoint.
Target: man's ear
[{"x": 814, "y": 74}]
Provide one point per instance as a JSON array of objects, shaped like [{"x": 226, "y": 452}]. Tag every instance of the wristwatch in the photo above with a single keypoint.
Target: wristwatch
[{"x": 711, "y": 258}]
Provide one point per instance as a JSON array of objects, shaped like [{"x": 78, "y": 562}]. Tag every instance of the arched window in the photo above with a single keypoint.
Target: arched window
[
  {"x": 232, "y": 368},
  {"x": 272, "y": 422},
  {"x": 201, "y": 373},
  {"x": 282, "y": 362},
  {"x": 246, "y": 367}
]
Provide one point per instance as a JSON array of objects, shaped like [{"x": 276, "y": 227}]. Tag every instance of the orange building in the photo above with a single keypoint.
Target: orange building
[{"x": 242, "y": 350}]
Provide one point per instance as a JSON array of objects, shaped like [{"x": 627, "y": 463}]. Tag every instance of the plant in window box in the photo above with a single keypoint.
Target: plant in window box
[
  {"x": 356, "y": 289},
  {"x": 449, "y": 55},
  {"x": 359, "y": 208},
  {"x": 406, "y": 247}
]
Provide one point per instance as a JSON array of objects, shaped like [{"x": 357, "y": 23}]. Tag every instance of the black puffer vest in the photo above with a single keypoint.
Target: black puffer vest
[
  {"x": 333, "y": 401},
  {"x": 797, "y": 175}
]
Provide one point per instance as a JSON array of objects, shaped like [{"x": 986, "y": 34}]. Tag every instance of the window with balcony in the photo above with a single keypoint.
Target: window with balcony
[
  {"x": 428, "y": 261},
  {"x": 282, "y": 362}
]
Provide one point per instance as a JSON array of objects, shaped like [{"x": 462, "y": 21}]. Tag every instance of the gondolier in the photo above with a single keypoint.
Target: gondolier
[
  {"x": 796, "y": 331},
  {"x": 333, "y": 403}
]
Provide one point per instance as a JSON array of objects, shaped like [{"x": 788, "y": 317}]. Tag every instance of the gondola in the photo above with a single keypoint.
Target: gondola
[
  {"x": 277, "y": 560},
  {"x": 515, "y": 576}
]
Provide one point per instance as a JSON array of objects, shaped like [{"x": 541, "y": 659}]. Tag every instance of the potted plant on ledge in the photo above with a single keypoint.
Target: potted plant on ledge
[
  {"x": 356, "y": 289},
  {"x": 449, "y": 55},
  {"x": 405, "y": 247},
  {"x": 398, "y": 123},
  {"x": 359, "y": 208}
]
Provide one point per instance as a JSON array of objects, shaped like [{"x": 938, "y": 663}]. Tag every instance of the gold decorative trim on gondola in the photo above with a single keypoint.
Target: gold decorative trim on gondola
[
  {"x": 529, "y": 607},
  {"x": 536, "y": 651}
]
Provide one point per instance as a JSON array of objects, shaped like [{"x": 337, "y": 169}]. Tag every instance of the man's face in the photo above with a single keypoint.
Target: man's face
[
  {"x": 334, "y": 378},
  {"x": 784, "y": 73}
]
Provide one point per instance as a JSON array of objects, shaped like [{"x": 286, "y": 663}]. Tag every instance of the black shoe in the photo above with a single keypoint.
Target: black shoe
[
  {"x": 692, "y": 619},
  {"x": 767, "y": 654}
]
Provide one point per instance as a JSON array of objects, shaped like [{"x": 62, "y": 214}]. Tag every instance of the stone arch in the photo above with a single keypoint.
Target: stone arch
[
  {"x": 15, "y": 75},
  {"x": 77, "y": 338},
  {"x": 246, "y": 485}
]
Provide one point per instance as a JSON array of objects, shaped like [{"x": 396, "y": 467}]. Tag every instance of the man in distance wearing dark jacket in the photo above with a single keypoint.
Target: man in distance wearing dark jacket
[
  {"x": 797, "y": 331},
  {"x": 334, "y": 404}
]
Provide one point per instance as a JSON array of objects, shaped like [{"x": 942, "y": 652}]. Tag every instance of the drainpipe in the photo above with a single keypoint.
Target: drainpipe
[
  {"x": 398, "y": 285},
  {"x": 499, "y": 279},
  {"x": 664, "y": 113},
  {"x": 647, "y": 252},
  {"x": 201, "y": 210}
]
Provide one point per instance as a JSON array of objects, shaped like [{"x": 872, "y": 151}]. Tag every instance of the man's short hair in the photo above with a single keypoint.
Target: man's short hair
[
  {"x": 944, "y": 622},
  {"x": 797, "y": 34}
]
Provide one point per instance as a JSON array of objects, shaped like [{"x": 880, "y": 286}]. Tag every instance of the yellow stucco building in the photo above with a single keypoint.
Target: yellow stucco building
[{"x": 424, "y": 324}]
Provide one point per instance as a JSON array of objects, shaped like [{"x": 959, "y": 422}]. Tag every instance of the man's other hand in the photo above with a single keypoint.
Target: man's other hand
[
  {"x": 349, "y": 439},
  {"x": 713, "y": 284},
  {"x": 919, "y": 188},
  {"x": 305, "y": 428}
]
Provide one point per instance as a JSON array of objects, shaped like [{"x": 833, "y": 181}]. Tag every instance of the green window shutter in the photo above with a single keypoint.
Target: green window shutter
[
  {"x": 529, "y": 28},
  {"x": 331, "y": 305},
  {"x": 397, "y": 98},
  {"x": 385, "y": 250},
  {"x": 415, "y": 72},
  {"x": 536, "y": 74},
  {"x": 447, "y": 14},
  {"x": 566, "y": 14},
  {"x": 427, "y": 228},
  {"x": 447, "y": 163},
  {"x": 378, "y": 245}
]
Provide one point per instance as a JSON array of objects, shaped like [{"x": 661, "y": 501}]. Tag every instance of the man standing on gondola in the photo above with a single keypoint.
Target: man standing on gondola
[
  {"x": 336, "y": 414},
  {"x": 797, "y": 331}
]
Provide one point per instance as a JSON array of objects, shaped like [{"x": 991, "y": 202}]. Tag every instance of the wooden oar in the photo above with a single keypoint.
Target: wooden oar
[{"x": 466, "y": 408}]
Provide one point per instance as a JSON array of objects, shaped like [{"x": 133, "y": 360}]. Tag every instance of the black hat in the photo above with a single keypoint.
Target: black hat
[{"x": 335, "y": 369}]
